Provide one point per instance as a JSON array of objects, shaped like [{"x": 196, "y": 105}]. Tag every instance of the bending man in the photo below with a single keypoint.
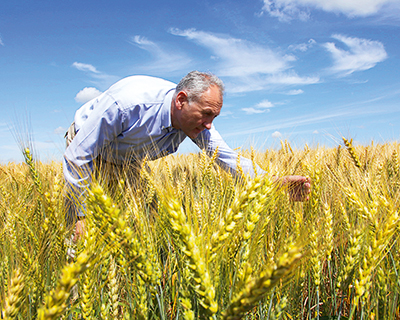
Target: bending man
[{"x": 143, "y": 116}]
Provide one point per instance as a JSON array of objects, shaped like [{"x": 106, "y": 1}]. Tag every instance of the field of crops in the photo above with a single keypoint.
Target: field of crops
[{"x": 188, "y": 241}]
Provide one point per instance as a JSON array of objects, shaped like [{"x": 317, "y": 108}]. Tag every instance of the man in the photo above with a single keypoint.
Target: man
[{"x": 143, "y": 116}]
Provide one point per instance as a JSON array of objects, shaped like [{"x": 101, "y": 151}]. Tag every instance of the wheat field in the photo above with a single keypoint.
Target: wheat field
[{"x": 187, "y": 241}]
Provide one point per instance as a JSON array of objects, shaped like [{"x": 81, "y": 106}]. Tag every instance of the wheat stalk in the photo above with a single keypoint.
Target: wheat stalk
[{"x": 258, "y": 287}]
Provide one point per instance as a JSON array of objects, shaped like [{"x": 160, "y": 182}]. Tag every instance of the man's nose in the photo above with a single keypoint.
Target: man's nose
[{"x": 207, "y": 125}]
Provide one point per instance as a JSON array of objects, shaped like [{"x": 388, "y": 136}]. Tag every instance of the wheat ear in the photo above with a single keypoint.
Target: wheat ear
[
  {"x": 258, "y": 287},
  {"x": 201, "y": 276},
  {"x": 15, "y": 296},
  {"x": 56, "y": 301},
  {"x": 352, "y": 152},
  {"x": 235, "y": 214},
  {"x": 116, "y": 233}
]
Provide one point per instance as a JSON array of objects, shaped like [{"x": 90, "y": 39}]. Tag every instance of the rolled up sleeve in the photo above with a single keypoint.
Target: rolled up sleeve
[{"x": 209, "y": 140}]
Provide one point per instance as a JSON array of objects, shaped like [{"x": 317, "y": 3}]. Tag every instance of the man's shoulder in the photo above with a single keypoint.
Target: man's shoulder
[
  {"x": 140, "y": 89},
  {"x": 142, "y": 82}
]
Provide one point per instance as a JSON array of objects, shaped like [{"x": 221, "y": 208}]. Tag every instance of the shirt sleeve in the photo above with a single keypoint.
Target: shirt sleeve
[
  {"x": 101, "y": 127},
  {"x": 209, "y": 140}
]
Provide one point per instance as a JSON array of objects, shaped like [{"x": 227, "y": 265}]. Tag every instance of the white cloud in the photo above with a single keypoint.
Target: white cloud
[
  {"x": 85, "y": 67},
  {"x": 291, "y": 78},
  {"x": 249, "y": 66},
  {"x": 265, "y": 104},
  {"x": 225, "y": 113},
  {"x": 286, "y": 10},
  {"x": 253, "y": 110},
  {"x": 165, "y": 59},
  {"x": 315, "y": 132},
  {"x": 87, "y": 94},
  {"x": 144, "y": 42},
  {"x": 238, "y": 57},
  {"x": 101, "y": 79},
  {"x": 303, "y": 46},
  {"x": 348, "y": 111},
  {"x": 60, "y": 130},
  {"x": 276, "y": 134},
  {"x": 295, "y": 92},
  {"x": 260, "y": 107},
  {"x": 263, "y": 82},
  {"x": 1, "y": 42},
  {"x": 362, "y": 54}
]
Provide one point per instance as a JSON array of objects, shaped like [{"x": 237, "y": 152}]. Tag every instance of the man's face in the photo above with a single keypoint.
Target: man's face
[{"x": 192, "y": 118}]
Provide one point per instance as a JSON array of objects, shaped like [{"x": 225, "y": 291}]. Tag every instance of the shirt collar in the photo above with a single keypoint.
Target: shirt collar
[{"x": 166, "y": 122}]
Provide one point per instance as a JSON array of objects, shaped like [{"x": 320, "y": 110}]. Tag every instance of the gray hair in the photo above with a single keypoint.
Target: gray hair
[{"x": 195, "y": 83}]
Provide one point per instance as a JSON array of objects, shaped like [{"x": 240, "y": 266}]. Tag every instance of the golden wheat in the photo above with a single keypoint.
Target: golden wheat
[{"x": 189, "y": 241}]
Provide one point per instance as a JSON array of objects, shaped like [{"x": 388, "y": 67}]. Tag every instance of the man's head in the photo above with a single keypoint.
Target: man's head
[{"x": 197, "y": 101}]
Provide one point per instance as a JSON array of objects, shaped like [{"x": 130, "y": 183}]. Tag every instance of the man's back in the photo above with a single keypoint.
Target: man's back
[
  {"x": 131, "y": 119},
  {"x": 127, "y": 93}
]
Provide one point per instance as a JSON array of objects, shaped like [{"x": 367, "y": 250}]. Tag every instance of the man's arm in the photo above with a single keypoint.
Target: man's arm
[{"x": 227, "y": 158}]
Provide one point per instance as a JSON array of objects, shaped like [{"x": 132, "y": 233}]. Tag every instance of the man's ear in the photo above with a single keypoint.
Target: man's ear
[{"x": 181, "y": 99}]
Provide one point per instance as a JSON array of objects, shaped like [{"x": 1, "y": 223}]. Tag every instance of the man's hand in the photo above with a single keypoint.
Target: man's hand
[
  {"x": 298, "y": 187},
  {"x": 79, "y": 230}
]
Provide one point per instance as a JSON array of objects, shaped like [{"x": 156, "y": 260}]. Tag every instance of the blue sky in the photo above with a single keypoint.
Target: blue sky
[{"x": 309, "y": 71}]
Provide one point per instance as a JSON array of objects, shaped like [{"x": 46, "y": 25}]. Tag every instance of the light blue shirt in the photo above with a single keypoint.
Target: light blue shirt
[{"x": 131, "y": 120}]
